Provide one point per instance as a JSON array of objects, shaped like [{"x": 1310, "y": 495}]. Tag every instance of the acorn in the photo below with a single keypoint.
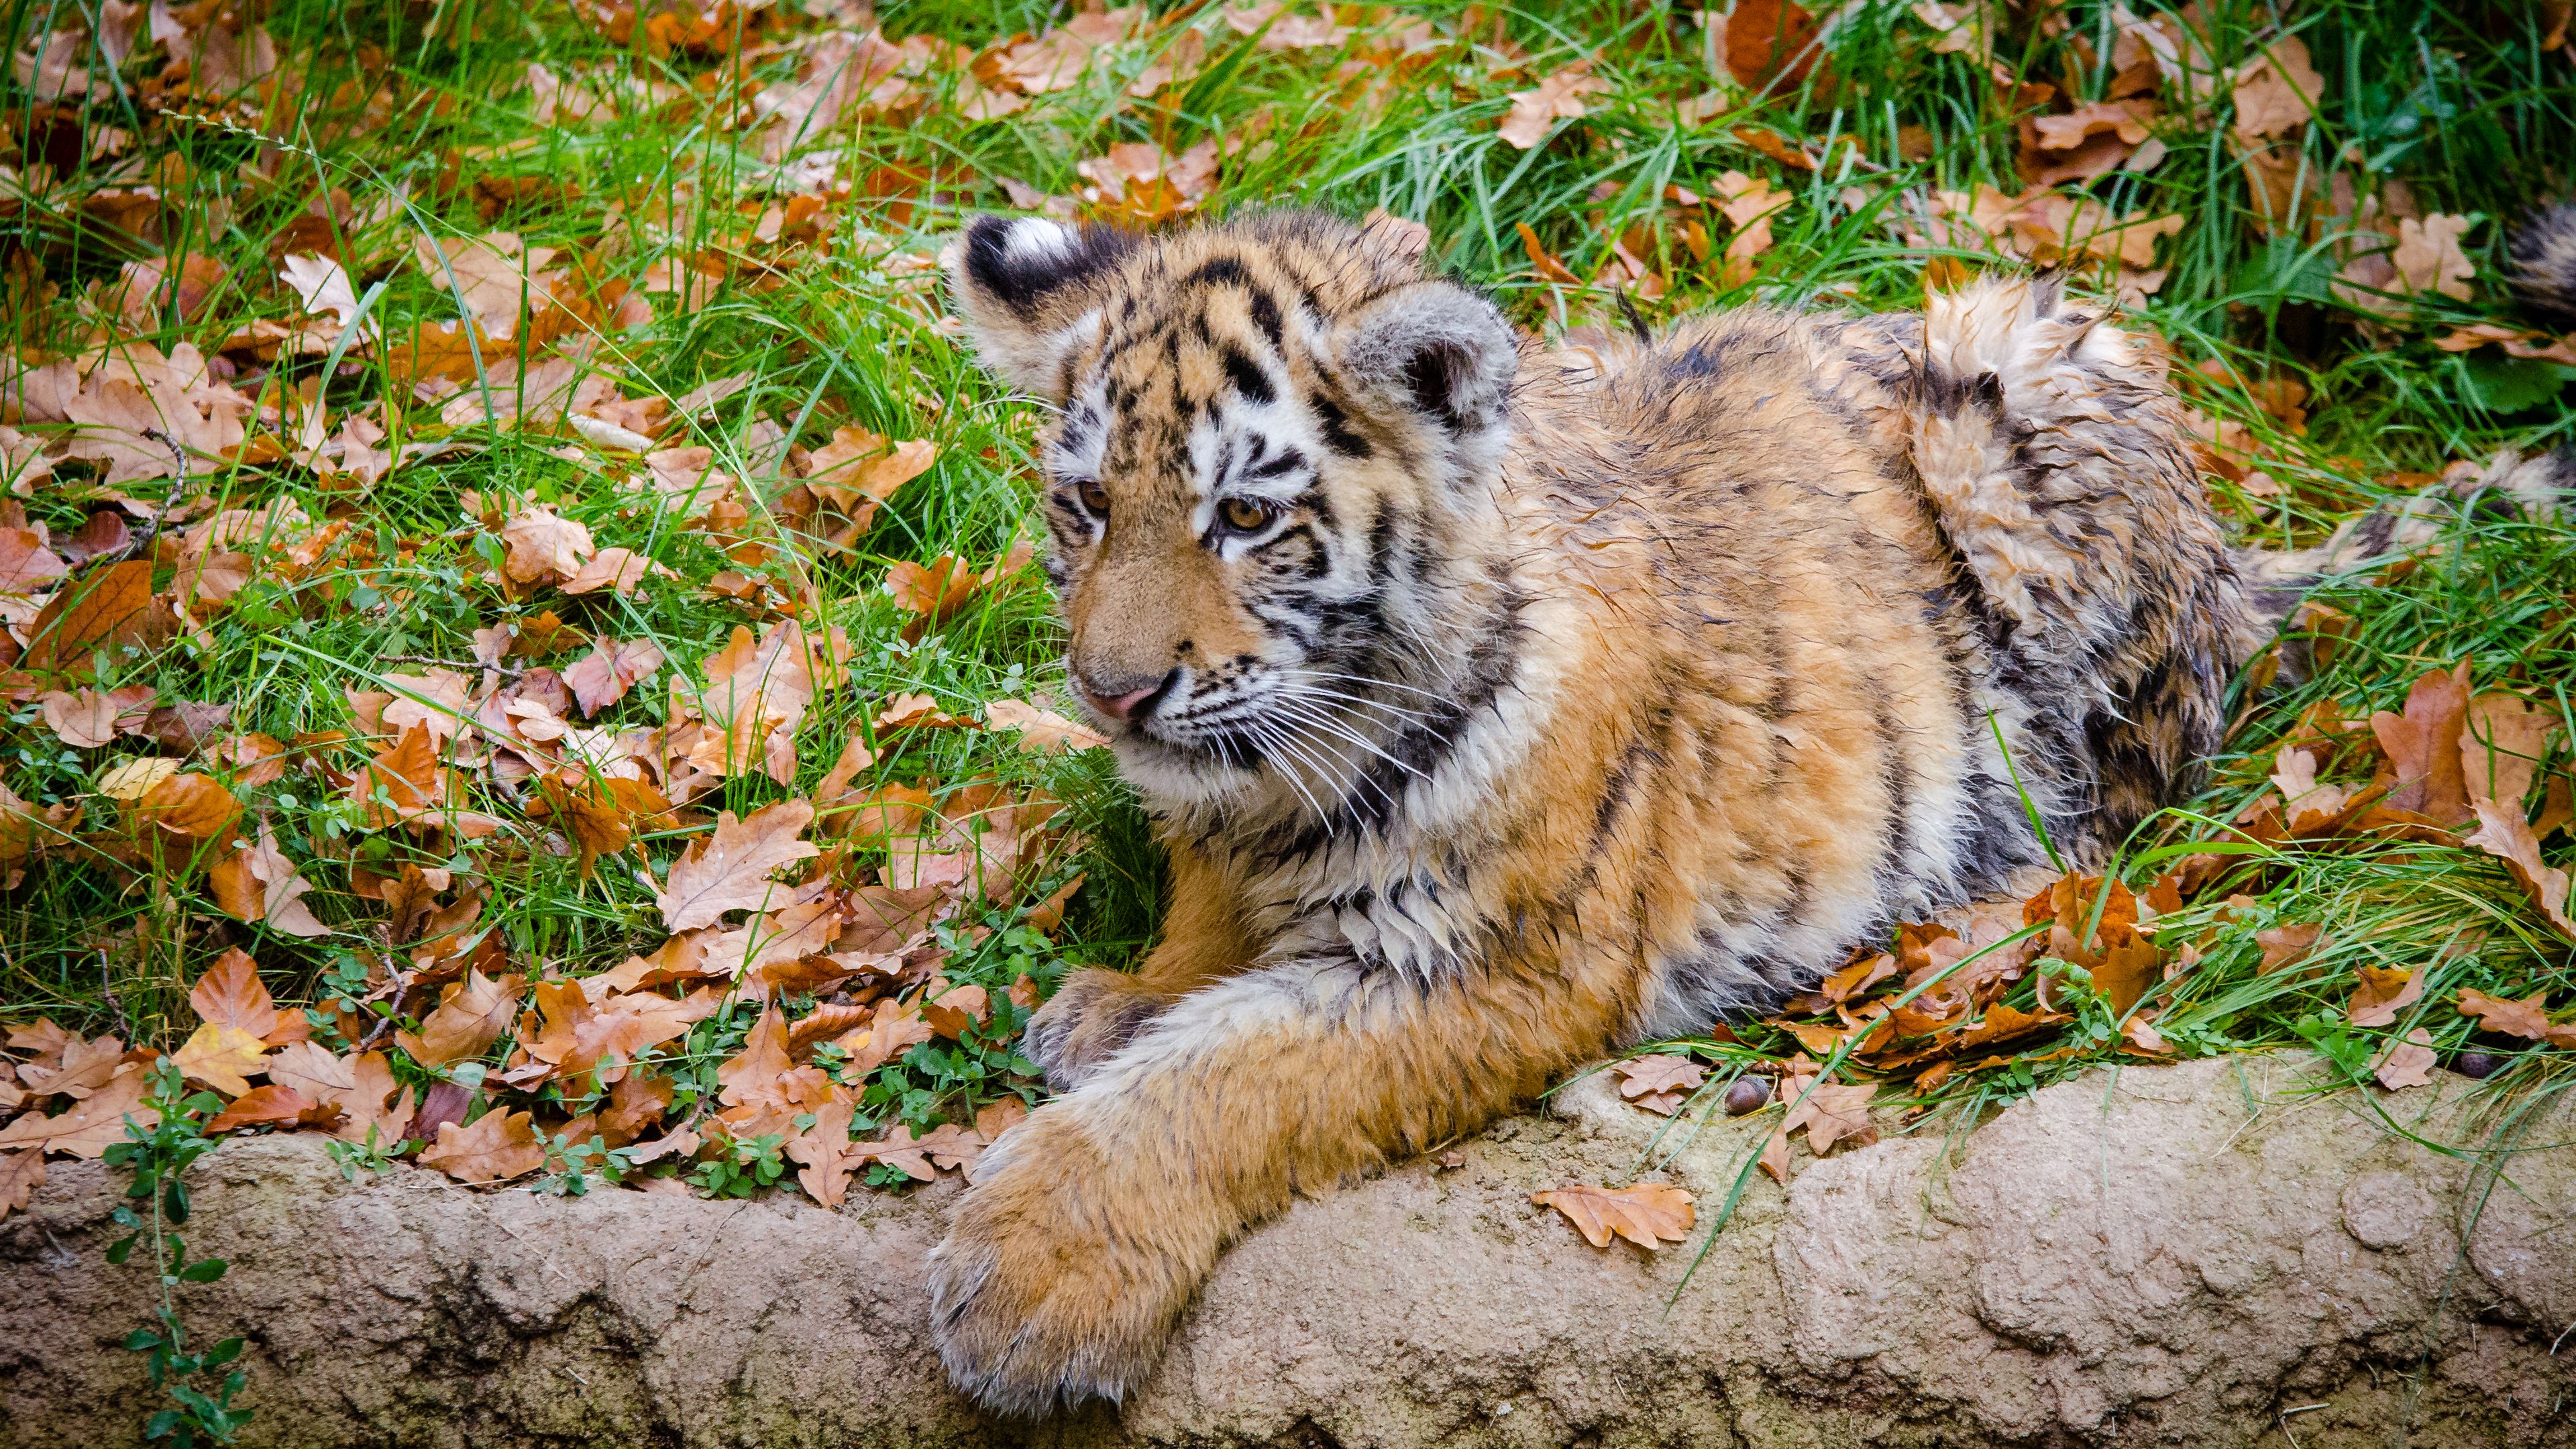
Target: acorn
[
  {"x": 2476, "y": 1064},
  {"x": 1747, "y": 1095}
]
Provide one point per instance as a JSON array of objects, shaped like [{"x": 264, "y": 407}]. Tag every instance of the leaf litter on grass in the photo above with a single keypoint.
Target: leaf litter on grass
[{"x": 461, "y": 512}]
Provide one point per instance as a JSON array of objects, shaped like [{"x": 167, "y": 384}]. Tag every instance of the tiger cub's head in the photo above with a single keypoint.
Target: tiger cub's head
[{"x": 1270, "y": 444}]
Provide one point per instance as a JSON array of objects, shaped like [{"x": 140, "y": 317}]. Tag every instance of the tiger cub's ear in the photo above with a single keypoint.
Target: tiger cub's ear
[
  {"x": 1025, "y": 288},
  {"x": 1434, "y": 350}
]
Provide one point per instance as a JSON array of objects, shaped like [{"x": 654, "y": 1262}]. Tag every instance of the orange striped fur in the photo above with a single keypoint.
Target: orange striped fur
[{"x": 1500, "y": 706}]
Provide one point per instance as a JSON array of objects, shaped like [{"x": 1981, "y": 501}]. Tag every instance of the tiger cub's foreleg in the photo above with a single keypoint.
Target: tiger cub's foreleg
[
  {"x": 1091, "y": 1223},
  {"x": 1095, "y": 1012}
]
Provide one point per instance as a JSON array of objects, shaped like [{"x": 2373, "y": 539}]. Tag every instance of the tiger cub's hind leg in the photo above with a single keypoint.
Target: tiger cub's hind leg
[{"x": 2052, "y": 452}]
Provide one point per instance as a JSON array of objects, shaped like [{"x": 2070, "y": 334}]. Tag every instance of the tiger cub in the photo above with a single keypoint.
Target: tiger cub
[{"x": 1498, "y": 706}]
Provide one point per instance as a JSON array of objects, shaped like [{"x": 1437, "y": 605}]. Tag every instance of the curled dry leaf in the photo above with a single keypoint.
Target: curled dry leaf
[
  {"x": 2503, "y": 833},
  {"x": 612, "y": 667},
  {"x": 2378, "y": 996},
  {"x": 257, "y": 883},
  {"x": 1649, "y": 1214}
]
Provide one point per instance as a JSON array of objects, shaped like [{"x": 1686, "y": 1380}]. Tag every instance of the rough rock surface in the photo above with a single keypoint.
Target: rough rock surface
[{"x": 2207, "y": 1254}]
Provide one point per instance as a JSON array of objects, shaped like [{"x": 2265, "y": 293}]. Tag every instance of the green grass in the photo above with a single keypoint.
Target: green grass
[{"x": 407, "y": 108}]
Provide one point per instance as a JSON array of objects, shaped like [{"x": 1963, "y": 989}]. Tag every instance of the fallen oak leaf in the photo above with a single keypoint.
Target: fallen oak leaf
[
  {"x": 500, "y": 1145},
  {"x": 2424, "y": 770},
  {"x": 612, "y": 667},
  {"x": 1831, "y": 1113},
  {"x": 1649, "y": 1214},
  {"x": 1042, "y": 731},
  {"x": 2379, "y": 995},
  {"x": 21, "y": 1173},
  {"x": 470, "y": 1016},
  {"x": 730, "y": 870},
  {"x": 2504, "y": 1015},
  {"x": 1557, "y": 97},
  {"x": 2406, "y": 1063},
  {"x": 272, "y": 1105},
  {"x": 2503, "y": 833},
  {"x": 94, "y": 1124},
  {"x": 2501, "y": 743},
  {"x": 1639, "y": 1076}
]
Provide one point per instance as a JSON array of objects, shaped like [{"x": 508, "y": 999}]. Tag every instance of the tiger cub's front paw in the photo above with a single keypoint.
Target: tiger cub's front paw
[
  {"x": 1056, "y": 1283},
  {"x": 1088, "y": 1019}
]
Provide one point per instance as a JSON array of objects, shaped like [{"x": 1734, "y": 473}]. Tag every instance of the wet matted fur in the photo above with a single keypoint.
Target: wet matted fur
[{"x": 1498, "y": 706}]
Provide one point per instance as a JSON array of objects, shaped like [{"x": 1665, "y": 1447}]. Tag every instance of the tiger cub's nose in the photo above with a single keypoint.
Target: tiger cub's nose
[{"x": 1123, "y": 698}]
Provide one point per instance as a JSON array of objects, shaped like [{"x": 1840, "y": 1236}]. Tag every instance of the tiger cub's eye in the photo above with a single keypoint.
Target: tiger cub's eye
[
  {"x": 1244, "y": 515},
  {"x": 1093, "y": 496}
]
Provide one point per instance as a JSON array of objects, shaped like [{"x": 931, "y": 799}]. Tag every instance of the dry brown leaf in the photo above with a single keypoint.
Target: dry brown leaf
[
  {"x": 1557, "y": 97},
  {"x": 270, "y": 1106},
  {"x": 220, "y": 1057},
  {"x": 1042, "y": 731},
  {"x": 1770, "y": 43},
  {"x": 2406, "y": 1063},
  {"x": 191, "y": 805},
  {"x": 102, "y": 610},
  {"x": 2501, "y": 743},
  {"x": 544, "y": 547},
  {"x": 2422, "y": 746},
  {"x": 84, "y": 719},
  {"x": 2276, "y": 93},
  {"x": 1659, "y": 1075},
  {"x": 94, "y": 1123},
  {"x": 729, "y": 871},
  {"x": 612, "y": 568},
  {"x": 1831, "y": 1113},
  {"x": 2429, "y": 258},
  {"x": 2379, "y": 995},
  {"x": 612, "y": 667},
  {"x": 957, "y": 1009},
  {"x": 1649, "y": 1214},
  {"x": 231, "y": 994},
  {"x": 27, "y": 566},
  {"x": 2506, "y": 1016},
  {"x": 639, "y": 1099},
  {"x": 21, "y": 1173},
  {"x": 823, "y": 1150},
  {"x": 2502, "y": 832},
  {"x": 470, "y": 1017},
  {"x": 257, "y": 883},
  {"x": 2287, "y": 945},
  {"x": 500, "y": 1145}
]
